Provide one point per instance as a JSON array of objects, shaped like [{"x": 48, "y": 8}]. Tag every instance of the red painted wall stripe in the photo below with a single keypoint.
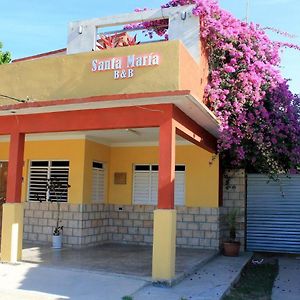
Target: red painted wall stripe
[{"x": 44, "y": 103}]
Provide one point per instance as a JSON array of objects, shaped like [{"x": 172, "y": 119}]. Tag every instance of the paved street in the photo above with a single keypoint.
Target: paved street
[{"x": 287, "y": 283}]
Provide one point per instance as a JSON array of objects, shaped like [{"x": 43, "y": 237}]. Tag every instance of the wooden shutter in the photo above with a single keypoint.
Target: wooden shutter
[
  {"x": 141, "y": 184},
  {"x": 98, "y": 194},
  {"x": 145, "y": 184},
  {"x": 179, "y": 185},
  {"x": 38, "y": 176},
  {"x": 154, "y": 185},
  {"x": 59, "y": 175}
]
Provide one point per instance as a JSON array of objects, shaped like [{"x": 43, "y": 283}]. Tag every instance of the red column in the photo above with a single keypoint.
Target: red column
[
  {"x": 15, "y": 167},
  {"x": 166, "y": 175}
]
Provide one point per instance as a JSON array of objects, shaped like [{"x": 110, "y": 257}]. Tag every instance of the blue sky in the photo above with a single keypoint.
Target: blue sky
[{"x": 34, "y": 26}]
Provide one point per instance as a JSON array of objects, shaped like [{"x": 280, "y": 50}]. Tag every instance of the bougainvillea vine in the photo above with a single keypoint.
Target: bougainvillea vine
[{"x": 260, "y": 127}]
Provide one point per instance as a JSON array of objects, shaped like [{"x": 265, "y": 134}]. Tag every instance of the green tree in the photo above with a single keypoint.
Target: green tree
[{"x": 5, "y": 57}]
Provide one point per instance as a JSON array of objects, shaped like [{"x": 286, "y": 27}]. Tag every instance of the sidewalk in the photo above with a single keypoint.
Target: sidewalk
[
  {"x": 29, "y": 281},
  {"x": 211, "y": 282},
  {"x": 287, "y": 283}
]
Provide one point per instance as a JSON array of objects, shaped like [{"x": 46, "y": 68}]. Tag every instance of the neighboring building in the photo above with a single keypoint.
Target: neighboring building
[{"x": 127, "y": 129}]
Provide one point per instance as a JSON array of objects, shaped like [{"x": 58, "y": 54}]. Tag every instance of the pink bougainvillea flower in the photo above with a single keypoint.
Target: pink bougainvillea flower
[{"x": 260, "y": 117}]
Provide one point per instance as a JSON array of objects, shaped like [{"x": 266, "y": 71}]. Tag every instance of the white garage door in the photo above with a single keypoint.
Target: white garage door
[{"x": 273, "y": 214}]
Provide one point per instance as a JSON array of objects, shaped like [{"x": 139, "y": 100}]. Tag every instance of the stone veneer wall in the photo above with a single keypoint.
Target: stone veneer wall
[
  {"x": 92, "y": 224},
  {"x": 83, "y": 224},
  {"x": 234, "y": 197},
  {"x": 196, "y": 227}
]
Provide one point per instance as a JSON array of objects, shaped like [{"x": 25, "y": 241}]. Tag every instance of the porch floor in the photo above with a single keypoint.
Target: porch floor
[{"x": 120, "y": 259}]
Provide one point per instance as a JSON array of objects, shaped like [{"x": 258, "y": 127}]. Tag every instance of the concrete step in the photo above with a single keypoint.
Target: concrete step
[{"x": 210, "y": 282}]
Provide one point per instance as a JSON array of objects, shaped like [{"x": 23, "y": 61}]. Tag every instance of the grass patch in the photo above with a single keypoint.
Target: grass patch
[
  {"x": 256, "y": 281},
  {"x": 127, "y": 298}
]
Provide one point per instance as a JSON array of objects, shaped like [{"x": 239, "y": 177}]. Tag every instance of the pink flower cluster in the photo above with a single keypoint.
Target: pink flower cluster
[
  {"x": 260, "y": 117},
  {"x": 159, "y": 27}
]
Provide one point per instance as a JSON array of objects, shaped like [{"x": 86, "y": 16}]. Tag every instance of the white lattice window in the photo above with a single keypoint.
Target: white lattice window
[
  {"x": 43, "y": 172},
  {"x": 98, "y": 193},
  {"x": 145, "y": 184}
]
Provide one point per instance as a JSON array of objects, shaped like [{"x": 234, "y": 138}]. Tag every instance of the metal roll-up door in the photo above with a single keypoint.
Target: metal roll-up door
[{"x": 273, "y": 214}]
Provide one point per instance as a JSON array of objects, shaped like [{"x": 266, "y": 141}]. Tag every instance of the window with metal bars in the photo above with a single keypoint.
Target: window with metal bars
[
  {"x": 48, "y": 180},
  {"x": 145, "y": 184}
]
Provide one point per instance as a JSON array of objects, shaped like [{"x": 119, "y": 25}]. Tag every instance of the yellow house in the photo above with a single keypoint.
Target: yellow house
[{"x": 127, "y": 129}]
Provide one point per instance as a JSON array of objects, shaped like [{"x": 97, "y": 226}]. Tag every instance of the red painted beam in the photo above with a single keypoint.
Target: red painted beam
[
  {"x": 193, "y": 132},
  {"x": 94, "y": 119},
  {"x": 166, "y": 173},
  {"x": 93, "y": 99},
  {"x": 15, "y": 167}
]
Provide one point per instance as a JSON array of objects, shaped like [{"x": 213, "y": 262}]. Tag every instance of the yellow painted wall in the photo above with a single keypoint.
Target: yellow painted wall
[
  {"x": 122, "y": 160},
  {"x": 12, "y": 232},
  {"x": 164, "y": 244},
  {"x": 71, "y": 76},
  {"x": 72, "y": 150},
  {"x": 202, "y": 181},
  {"x": 202, "y": 178}
]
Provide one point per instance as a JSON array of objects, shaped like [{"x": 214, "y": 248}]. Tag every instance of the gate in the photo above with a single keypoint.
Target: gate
[{"x": 273, "y": 214}]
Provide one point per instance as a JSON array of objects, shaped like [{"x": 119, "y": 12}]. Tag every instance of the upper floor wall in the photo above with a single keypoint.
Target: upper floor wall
[{"x": 145, "y": 68}]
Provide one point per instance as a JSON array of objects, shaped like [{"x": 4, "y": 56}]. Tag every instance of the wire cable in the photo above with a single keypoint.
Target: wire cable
[{"x": 13, "y": 98}]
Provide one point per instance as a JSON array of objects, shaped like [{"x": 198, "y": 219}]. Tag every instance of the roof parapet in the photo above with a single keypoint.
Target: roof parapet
[{"x": 183, "y": 25}]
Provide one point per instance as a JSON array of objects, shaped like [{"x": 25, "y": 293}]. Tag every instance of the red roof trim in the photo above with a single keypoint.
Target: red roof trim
[
  {"x": 40, "y": 55},
  {"x": 93, "y": 99}
]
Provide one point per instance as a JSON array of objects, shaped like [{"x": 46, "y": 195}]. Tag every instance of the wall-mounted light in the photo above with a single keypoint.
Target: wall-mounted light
[
  {"x": 80, "y": 29},
  {"x": 132, "y": 131}
]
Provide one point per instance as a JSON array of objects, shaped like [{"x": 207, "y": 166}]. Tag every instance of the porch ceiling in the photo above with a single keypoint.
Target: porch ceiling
[{"x": 113, "y": 138}]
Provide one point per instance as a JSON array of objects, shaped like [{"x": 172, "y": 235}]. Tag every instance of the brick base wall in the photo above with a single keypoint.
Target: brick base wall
[
  {"x": 83, "y": 224},
  {"x": 92, "y": 224},
  {"x": 196, "y": 227}
]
